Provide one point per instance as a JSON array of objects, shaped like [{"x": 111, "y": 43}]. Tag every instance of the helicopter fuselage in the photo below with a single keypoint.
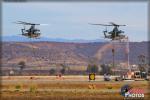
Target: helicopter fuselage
[
  {"x": 30, "y": 35},
  {"x": 115, "y": 34},
  {"x": 31, "y": 32}
]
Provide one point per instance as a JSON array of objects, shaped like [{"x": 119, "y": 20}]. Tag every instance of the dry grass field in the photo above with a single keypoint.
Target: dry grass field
[{"x": 64, "y": 88}]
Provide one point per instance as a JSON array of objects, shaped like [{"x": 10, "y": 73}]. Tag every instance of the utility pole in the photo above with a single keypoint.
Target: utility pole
[
  {"x": 113, "y": 54},
  {"x": 127, "y": 51},
  {"x": 142, "y": 62}
]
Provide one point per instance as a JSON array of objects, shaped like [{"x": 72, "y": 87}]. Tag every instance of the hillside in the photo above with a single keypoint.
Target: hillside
[{"x": 53, "y": 53}]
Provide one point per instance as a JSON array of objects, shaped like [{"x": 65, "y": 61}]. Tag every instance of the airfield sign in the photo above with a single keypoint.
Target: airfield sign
[{"x": 92, "y": 76}]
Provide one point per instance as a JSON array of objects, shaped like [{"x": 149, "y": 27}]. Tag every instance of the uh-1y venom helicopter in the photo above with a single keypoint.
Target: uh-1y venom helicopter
[
  {"x": 32, "y": 32},
  {"x": 115, "y": 34}
]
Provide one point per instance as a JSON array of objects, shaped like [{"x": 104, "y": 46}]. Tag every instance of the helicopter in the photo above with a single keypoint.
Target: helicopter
[
  {"x": 115, "y": 34},
  {"x": 32, "y": 32}
]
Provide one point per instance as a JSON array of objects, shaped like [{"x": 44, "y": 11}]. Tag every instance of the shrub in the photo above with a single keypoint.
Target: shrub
[
  {"x": 17, "y": 88},
  {"x": 33, "y": 89}
]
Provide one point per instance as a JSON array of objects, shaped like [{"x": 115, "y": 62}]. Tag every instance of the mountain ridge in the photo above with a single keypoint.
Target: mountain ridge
[
  {"x": 25, "y": 39},
  {"x": 49, "y": 53}
]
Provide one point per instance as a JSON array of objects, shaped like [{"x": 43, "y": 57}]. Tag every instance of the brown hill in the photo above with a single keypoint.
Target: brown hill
[{"x": 50, "y": 53}]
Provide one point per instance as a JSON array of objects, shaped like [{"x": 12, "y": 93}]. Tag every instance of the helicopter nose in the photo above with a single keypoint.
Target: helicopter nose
[{"x": 122, "y": 31}]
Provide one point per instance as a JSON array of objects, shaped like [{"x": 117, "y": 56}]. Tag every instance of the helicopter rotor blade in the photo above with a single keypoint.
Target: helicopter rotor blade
[
  {"x": 17, "y": 23},
  {"x": 116, "y": 24},
  {"x": 26, "y": 23},
  {"x": 101, "y": 24},
  {"x": 43, "y": 24}
]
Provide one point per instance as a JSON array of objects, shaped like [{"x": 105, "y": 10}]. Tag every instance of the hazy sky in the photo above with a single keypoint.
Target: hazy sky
[{"x": 69, "y": 20}]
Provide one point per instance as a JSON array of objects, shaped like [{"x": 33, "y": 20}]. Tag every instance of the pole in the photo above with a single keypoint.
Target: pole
[
  {"x": 128, "y": 64},
  {"x": 113, "y": 54}
]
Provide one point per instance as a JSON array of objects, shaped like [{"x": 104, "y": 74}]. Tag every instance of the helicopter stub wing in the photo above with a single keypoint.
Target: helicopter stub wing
[{"x": 120, "y": 37}]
